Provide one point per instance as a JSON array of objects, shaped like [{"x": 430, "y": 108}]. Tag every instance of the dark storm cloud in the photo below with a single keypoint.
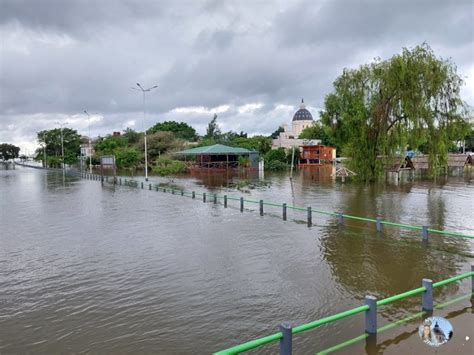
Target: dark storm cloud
[
  {"x": 357, "y": 22},
  {"x": 251, "y": 61},
  {"x": 77, "y": 17}
]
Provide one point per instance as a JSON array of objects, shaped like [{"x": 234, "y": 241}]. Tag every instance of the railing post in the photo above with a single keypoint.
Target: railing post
[
  {"x": 193, "y": 194},
  {"x": 261, "y": 207},
  {"x": 225, "y": 201},
  {"x": 284, "y": 211},
  {"x": 286, "y": 341},
  {"x": 142, "y": 184},
  {"x": 120, "y": 181},
  {"x": 340, "y": 218},
  {"x": 215, "y": 198},
  {"x": 371, "y": 315},
  {"x": 424, "y": 232},
  {"x": 182, "y": 192},
  {"x": 203, "y": 197},
  {"x": 149, "y": 186},
  {"x": 157, "y": 188},
  {"x": 241, "y": 204},
  {"x": 310, "y": 217},
  {"x": 427, "y": 296},
  {"x": 378, "y": 224},
  {"x": 472, "y": 278},
  {"x": 164, "y": 189},
  {"x": 172, "y": 191}
]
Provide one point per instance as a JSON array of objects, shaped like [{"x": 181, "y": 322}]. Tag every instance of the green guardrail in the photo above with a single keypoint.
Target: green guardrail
[
  {"x": 370, "y": 309},
  {"x": 209, "y": 197},
  {"x": 391, "y": 325}
]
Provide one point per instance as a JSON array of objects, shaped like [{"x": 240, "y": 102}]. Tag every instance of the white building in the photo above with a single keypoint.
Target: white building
[{"x": 289, "y": 138}]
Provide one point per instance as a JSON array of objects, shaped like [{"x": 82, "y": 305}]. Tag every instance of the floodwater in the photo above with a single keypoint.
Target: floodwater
[{"x": 86, "y": 268}]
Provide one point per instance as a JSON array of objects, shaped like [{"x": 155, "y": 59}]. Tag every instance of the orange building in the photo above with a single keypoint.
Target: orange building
[{"x": 316, "y": 155}]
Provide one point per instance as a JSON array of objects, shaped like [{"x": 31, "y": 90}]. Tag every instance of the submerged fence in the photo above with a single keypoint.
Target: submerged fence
[
  {"x": 341, "y": 217},
  {"x": 366, "y": 336},
  {"x": 285, "y": 335}
]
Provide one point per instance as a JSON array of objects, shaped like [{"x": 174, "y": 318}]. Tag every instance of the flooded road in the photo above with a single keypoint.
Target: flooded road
[{"x": 86, "y": 268}]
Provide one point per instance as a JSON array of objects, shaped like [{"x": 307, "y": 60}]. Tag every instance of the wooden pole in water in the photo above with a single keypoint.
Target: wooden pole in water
[{"x": 292, "y": 164}]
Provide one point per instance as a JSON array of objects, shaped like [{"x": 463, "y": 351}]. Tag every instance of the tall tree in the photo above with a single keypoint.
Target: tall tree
[
  {"x": 131, "y": 135},
  {"x": 160, "y": 143},
  {"x": 213, "y": 131},
  {"x": 180, "y": 129},
  {"x": 52, "y": 140},
  {"x": 379, "y": 109},
  {"x": 8, "y": 151}
]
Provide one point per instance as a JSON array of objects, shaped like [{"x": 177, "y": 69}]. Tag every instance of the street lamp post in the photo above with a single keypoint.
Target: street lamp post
[
  {"x": 44, "y": 155},
  {"x": 90, "y": 148},
  {"x": 62, "y": 142},
  {"x": 144, "y": 91}
]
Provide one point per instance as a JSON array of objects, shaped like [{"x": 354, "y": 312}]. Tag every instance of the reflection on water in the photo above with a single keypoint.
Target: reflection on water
[{"x": 115, "y": 269}]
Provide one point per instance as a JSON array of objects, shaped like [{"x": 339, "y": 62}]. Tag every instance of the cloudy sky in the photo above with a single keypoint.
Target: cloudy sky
[{"x": 251, "y": 62}]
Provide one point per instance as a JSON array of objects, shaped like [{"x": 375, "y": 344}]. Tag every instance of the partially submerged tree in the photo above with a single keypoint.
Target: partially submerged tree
[
  {"x": 126, "y": 158},
  {"x": 168, "y": 167},
  {"x": 51, "y": 141},
  {"x": 8, "y": 151},
  {"x": 379, "y": 109}
]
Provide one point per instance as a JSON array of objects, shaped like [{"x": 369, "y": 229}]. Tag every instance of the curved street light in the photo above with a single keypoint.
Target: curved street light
[
  {"x": 62, "y": 141},
  {"x": 90, "y": 148},
  {"x": 144, "y": 91}
]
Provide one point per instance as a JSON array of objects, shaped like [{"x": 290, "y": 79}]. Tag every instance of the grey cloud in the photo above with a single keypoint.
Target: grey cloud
[
  {"x": 364, "y": 22},
  {"x": 61, "y": 57},
  {"x": 80, "y": 17}
]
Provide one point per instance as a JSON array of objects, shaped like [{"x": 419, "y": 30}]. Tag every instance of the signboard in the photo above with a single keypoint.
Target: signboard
[{"x": 107, "y": 161}]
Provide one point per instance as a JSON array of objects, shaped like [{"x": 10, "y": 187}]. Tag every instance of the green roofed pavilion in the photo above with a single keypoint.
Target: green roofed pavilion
[
  {"x": 216, "y": 149},
  {"x": 219, "y": 156}
]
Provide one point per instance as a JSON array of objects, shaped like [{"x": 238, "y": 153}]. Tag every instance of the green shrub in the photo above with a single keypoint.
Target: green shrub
[
  {"x": 166, "y": 167},
  {"x": 126, "y": 157},
  {"x": 276, "y": 159},
  {"x": 275, "y": 165}
]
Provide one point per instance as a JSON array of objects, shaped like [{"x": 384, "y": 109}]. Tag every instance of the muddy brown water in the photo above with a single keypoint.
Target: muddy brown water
[{"x": 86, "y": 268}]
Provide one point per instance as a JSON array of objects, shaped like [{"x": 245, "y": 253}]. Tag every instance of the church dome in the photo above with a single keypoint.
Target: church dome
[{"x": 302, "y": 114}]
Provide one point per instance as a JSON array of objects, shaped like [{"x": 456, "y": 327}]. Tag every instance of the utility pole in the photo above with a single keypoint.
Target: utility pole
[
  {"x": 44, "y": 154},
  {"x": 144, "y": 91},
  {"x": 90, "y": 148},
  {"x": 62, "y": 142}
]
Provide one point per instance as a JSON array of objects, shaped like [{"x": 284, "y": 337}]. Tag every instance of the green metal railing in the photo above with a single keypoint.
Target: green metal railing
[
  {"x": 427, "y": 290},
  {"x": 209, "y": 197},
  {"x": 371, "y": 304},
  {"x": 391, "y": 325},
  {"x": 341, "y": 216}
]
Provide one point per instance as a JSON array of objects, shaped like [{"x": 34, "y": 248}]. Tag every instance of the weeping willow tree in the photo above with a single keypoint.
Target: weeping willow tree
[{"x": 380, "y": 109}]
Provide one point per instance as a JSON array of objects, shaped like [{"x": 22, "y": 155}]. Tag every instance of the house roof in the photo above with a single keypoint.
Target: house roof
[{"x": 216, "y": 149}]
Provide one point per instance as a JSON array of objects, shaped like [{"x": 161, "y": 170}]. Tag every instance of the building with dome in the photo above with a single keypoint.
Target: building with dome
[{"x": 289, "y": 138}]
